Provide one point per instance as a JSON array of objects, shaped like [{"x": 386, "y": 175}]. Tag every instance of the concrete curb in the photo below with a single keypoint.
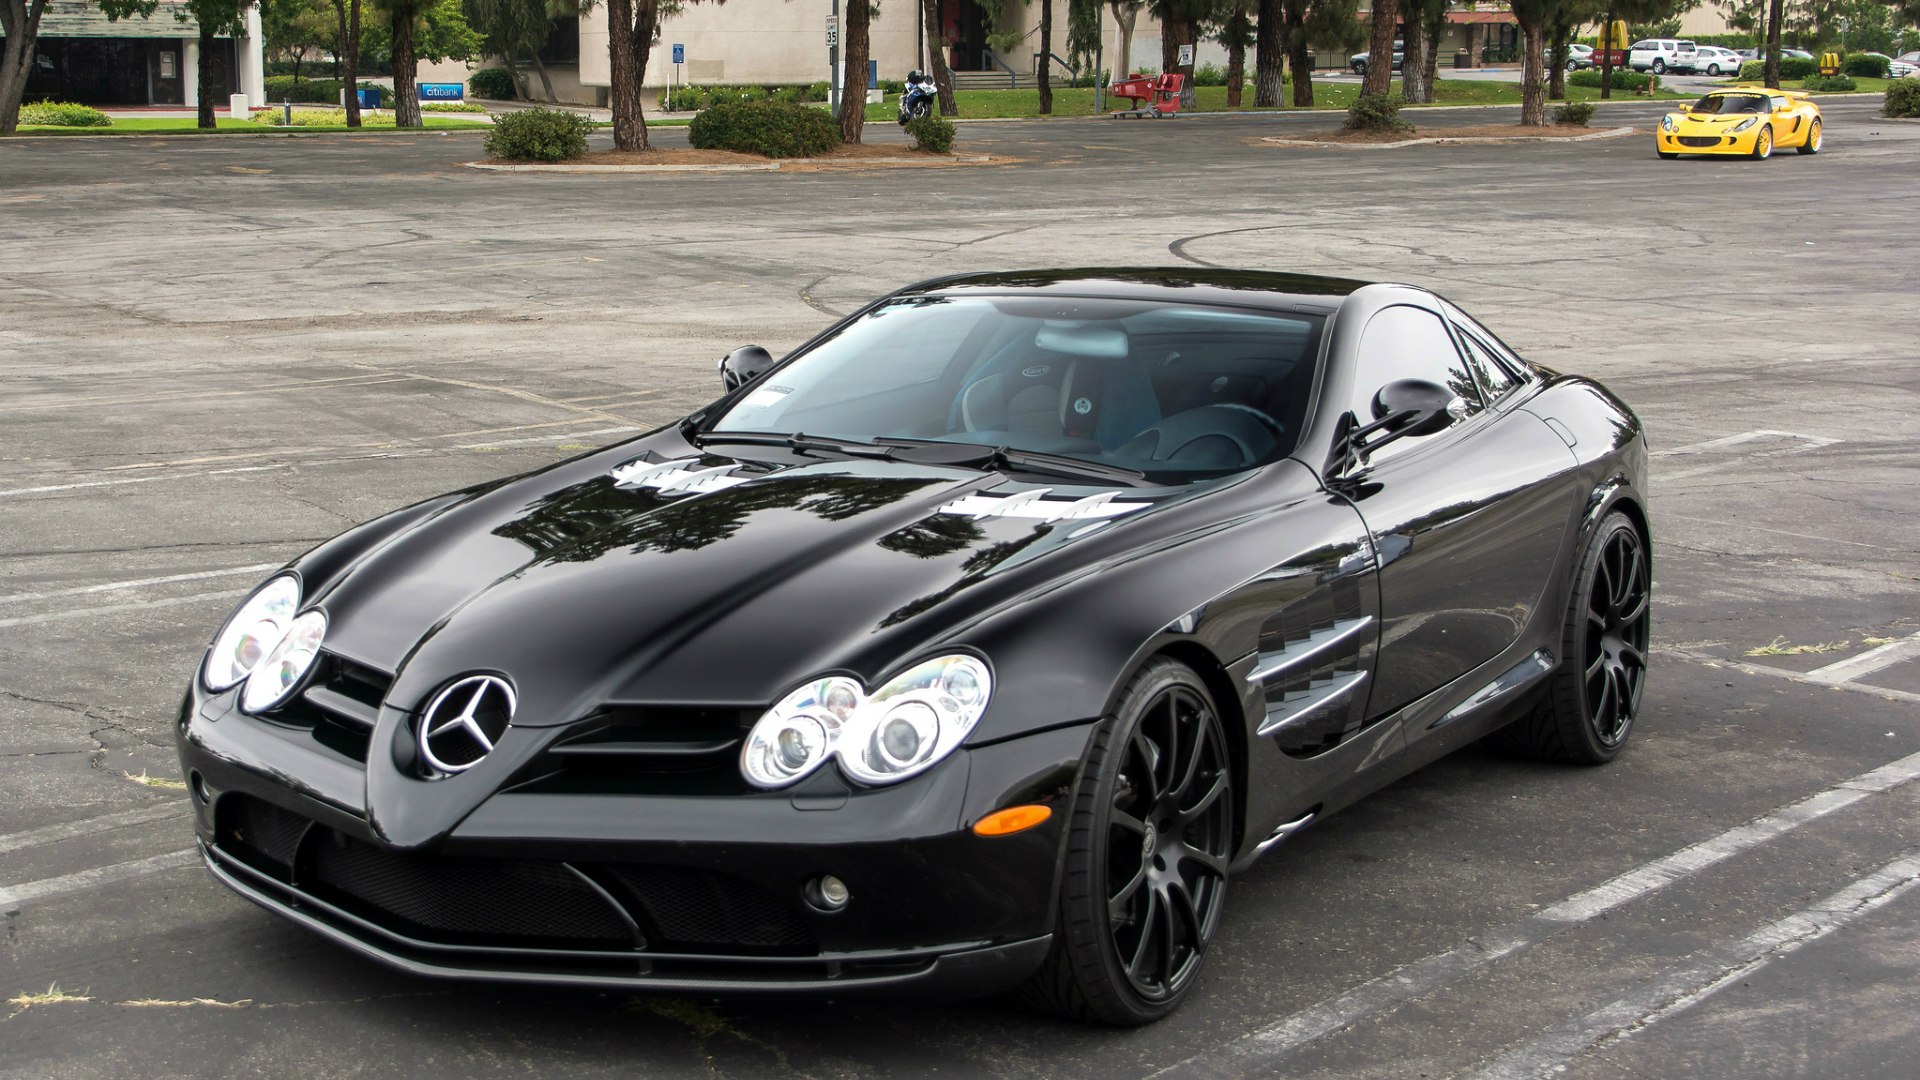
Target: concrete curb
[
  {"x": 771, "y": 166},
  {"x": 1611, "y": 133}
]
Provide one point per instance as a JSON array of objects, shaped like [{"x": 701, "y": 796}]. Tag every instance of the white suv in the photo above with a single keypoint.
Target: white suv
[{"x": 1659, "y": 54}]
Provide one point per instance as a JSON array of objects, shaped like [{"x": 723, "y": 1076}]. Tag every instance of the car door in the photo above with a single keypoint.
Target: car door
[
  {"x": 1467, "y": 522},
  {"x": 1789, "y": 121}
]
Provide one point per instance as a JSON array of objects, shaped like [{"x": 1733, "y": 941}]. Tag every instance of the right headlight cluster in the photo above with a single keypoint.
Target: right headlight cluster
[
  {"x": 265, "y": 645},
  {"x": 1667, "y": 123},
  {"x": 907, "y": 726}
]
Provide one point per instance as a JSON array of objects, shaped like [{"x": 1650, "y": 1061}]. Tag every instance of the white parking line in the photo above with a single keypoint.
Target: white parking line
[
  {"x": 1853, "y": 667},
  {"x": 134, "y": 583},
  {"x": 73, "y": 830},
  {"x": 1885, "y": 693},
  {"x": 115, "y": 609},
  {"x": 1261, "y": 1050},
  {"x": 1813, "y": 442},
  {"x": 1718, "y": 968},
  {"x": 12, "y": 896}
]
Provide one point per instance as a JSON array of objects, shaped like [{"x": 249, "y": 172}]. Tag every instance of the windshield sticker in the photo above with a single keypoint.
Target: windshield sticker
[{"x": 765, "y": 397}]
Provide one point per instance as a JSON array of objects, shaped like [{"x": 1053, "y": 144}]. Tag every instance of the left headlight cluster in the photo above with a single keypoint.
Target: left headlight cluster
[
  {"x": 907, "y": 726},
  {"x": 1745, "y": 124},
  {"x": 265, "y": 645},
  {"x": 1667, "y": 123}
]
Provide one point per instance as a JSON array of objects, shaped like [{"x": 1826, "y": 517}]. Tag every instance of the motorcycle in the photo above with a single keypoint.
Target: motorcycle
[{"x": 917, "y": 99}]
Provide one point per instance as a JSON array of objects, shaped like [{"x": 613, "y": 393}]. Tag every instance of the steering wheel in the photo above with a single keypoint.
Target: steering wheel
[{"x": 1279, "y": 432}]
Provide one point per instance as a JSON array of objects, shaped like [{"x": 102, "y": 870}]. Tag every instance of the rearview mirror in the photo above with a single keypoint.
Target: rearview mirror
[
  {"x": 1414, "y": 407},
  {"x": 743, "y": 365}
]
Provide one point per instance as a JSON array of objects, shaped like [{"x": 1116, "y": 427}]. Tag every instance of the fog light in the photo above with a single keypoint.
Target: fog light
[
  {"x": 199, "y": 788},
  {"x": 828, "y": 893}
]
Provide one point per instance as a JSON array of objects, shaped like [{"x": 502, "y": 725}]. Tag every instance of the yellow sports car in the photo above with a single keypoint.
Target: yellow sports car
[{"x": 1749, "y": 120}]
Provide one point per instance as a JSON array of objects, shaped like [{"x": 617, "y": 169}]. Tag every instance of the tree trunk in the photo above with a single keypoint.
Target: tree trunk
[
  {"x": 630, "y": 25},
  {"x": 1173, "y": 34},
  {"x": 1124, "y": 16},
  {"x": 1606, "y": 58},
  {"x": 1236, "y": 72},
  {"x": 1770, "y": 74},
  {"x": 1533, "y": 102},
  {"x": 1299, "y": 54},
  {"x": 1379, "y": 79},
  {"x": 22, "y": 23},
  {"x": 546, "y": 80},
  {"x": 406, "y": 92},
  {"x": 1435, "y": 31},
  {"x": 1046, "y": 57},
  {"x": 1269, "y": 54},
  {"x": 206, "y": 78},
  {"x": 937, "y": 57},
  {"x": 1413, "y": 68},
  {"x": 1557, "y": 63},
  {"x": 519, "y": 80},
  {"x": 349, "y": 12},
  {"x": 853, "y": 91}
]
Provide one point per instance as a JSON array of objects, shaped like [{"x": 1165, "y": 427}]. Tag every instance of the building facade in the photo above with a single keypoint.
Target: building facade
[{"x": 86, "y": 57}]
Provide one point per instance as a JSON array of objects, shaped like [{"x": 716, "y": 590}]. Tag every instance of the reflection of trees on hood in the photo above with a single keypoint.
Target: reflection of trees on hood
[
  {"x": 974, "y": 569},
  {"x": 942, "y": 534},
  {"x": 585, "y": 521}
]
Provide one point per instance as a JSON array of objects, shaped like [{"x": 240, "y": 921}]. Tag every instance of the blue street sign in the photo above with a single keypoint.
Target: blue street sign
[
  {"x": 679, "y": 54},
  {"x": 442, "y": 91}
]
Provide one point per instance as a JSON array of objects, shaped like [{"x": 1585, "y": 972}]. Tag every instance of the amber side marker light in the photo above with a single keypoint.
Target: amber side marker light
[{"x": 1012, "y": 820}]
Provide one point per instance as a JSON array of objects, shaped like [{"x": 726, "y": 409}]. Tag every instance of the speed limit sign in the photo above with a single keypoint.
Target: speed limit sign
[{"x": 833, "y": 31}]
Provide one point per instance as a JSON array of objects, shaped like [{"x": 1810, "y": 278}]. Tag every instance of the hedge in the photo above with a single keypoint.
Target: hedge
[
  {"x": 770, "y": 128},
  {"x": 1622, "y": 79},
  {"x": 548, "y": 135},
  {"x": 494, "y": 83},
  {"x": 934, "y": 134},
  {"x": 1577, "y": 113},
  {"x": 1791, "y": 67},
  {"x": 282, "y": 88},
  {"x": 1864, "y": 66},
  {"x": 1376, "y": 112},
  {"x": 1903, "y": 99},
  {"x": 694, "y": 98},
  {"x": 63, "y": 114},
  {"x": 1829, "y": 84}
]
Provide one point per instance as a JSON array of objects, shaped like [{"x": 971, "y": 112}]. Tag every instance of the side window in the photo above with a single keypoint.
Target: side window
[
  {"x": 1779, "y": 104},
  {"x": 1408, "y": 343},
  {"x": 1496, "y": 368}
]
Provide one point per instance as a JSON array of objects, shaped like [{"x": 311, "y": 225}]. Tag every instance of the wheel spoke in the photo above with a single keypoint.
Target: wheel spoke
[
  {"x": 1637, "y": 612},
  {"x": 1196, "y": 756},
  {"x": 1630, "y": 580},
  {"x": 1117, "y": 905},
  {"x": 1146, "y": 935},
  {"x": 1206, "y": 801},
  {"x": 1150, "y": 760},
  {"x": 1128, "y": 822},
  {"x": 1214, "y": 864},
  {"x": 1600, "y": 706},
  {"x": 1166, "y": 945},
  {"x": 1598, "y": 662},
  {"x": 1183, "y": 903},
  {"x": 1628, "y": 651}
]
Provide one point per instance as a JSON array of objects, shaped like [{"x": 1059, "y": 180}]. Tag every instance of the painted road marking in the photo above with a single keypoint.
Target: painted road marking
[
  {"x": 1813, "y": 442},
  {"x": 115, "y": 609},
  {"x": 73, "y": 830},
  {"x": 1854, "y": 667},
  {"x": 13, "y": 896},
  {"x": 1261, "y": 1050},
  {"x": 1718, "y": 968},
  {"x": 1881, "y": 692},
  {"x": 134, "y": 583}
]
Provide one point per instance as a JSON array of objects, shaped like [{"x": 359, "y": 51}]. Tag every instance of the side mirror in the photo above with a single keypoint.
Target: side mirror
[
  {"x": 1415, "y": 407},
  {"x": 743, "y": 365}
]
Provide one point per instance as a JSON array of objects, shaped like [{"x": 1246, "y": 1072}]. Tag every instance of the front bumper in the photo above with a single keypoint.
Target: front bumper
[
  {"x": 643, "y": 890},
  {"x": 1708, "y": 142}
]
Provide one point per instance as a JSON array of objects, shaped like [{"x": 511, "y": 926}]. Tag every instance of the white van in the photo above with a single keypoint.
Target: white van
[{"x": 1659, "y": 54}]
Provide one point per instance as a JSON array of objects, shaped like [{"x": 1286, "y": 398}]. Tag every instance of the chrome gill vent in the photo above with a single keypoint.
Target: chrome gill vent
[
  {"x": 680, "y": 476},
  {"x": 1035, "y": 505}
]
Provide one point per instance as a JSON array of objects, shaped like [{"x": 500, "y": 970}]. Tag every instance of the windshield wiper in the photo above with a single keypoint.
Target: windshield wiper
[
  {"x": 802, "y": 443},
  {"x": 1030, "y": 461}
]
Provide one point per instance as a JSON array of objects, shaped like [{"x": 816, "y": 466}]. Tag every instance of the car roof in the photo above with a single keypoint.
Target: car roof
[{"x": 1178, "y": 284}]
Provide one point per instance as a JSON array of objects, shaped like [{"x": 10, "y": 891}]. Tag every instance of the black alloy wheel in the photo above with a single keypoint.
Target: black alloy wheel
[
  {"x": 1593, "y": 696},
  {"x": 1148, "y": 848}
]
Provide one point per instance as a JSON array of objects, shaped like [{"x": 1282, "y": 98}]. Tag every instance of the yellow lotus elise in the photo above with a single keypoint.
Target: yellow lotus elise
[{"x": 1751, "y": 121}]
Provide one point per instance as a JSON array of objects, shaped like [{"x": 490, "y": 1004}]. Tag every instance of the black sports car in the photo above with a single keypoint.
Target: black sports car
[{"x": 973, "y": 645}]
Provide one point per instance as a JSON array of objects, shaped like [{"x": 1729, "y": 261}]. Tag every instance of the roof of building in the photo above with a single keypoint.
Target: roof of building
[{"x": 84, "y": 19}]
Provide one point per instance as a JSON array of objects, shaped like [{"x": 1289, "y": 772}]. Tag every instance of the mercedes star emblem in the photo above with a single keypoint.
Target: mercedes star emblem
[{"x": 463, "y": 721}]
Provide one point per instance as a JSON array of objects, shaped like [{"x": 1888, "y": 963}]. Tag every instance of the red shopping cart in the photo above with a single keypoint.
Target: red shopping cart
[{"x": 1153, "y": 96}]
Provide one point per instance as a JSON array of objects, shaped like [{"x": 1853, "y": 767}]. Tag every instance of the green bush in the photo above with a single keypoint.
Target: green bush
[
  {"x": 1830, "y": 84},
  {"x": 539, "y": 135},
  {"x": 323, "y": 118},
  {"x": 1209, "y": 75},
  {"x": 1376, "y": 112},
  {"x": 1863, "y": 66},
  {"x": 1903, "y": 99},
  {"x": 282, "y": 88},
  {"x": 1577, "y": 113},
  {"x": 934, "y": 134},
  {"x": 1791, "y": 67},
  {"x": 1622, "y": 80},
  {"x": 63, "y": 114},
  {"x": 452, "y": 106},
  {"x": 770, "y": 128},
  {"x": 493, "y": 83},
  {"x": 818, "y": 91}
]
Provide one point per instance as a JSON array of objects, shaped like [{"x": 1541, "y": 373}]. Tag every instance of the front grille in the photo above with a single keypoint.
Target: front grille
[
  {"x": 693, "y": 908},
  {"x": 434, "y": 896},
  {"x": 1699, "y": 140},
  {"x": 514, "y": 902},
  {"x": 647, "y": 750},
  {"x": 339, "y": 704}
]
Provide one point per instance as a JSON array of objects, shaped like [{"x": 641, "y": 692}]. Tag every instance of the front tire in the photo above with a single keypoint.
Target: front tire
[
  {"x": 1592, "y": 697},
  {"x": 1148, "y": 846},
  {"x": 1763, "y": 143},
  {"x": 1659, "y": 67},
  {"x": 1360, "y": 68},
  {"x": 1812, "y": 145}
]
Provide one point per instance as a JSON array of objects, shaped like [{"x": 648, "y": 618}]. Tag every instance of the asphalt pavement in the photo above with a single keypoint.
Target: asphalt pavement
[{"x": 215, "y": 352}]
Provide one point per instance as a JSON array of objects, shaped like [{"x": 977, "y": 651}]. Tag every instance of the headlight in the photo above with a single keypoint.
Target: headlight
[
  {"x": 901, "y": 729},
  {"x": 251, "y": 632},
  {"x": 280, "y": 673},
  {"x": 1745, "y": 124},
  {"x": 1667, "y": 124}
]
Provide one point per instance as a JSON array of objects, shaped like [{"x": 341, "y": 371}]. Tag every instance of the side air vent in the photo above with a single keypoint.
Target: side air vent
[
  {"x": 681, "y": 476},
  {"x": 1036, "y": 505}
]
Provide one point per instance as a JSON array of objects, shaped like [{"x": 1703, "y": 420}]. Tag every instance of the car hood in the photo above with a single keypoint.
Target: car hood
[
  {"x": 1712, "y": 124},
  {"x": 699, "y": 588}
]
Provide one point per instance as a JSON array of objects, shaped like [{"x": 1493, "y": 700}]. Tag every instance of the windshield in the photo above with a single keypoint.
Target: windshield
[
  {"x": 1176, "y": 391},
  {"x": 1731, "y": 104}
]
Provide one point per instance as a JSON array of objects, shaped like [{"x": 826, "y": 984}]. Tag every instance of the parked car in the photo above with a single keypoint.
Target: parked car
[
  {"x": 1896, "y": 68},
  {"x": 1747, "y": 122},
  {"x": 1579, "y": 56},
  {"x": 1103, "y": 583},
  {"x": 1358, "y": 61},
  {"x": 1785, "y": 53},
  {"x": 1659, "y": 54},
  {"x": 1708, "y": 60}
]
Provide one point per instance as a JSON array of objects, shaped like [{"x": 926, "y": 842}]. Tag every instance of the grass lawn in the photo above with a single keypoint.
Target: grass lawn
[
  {"x": 1326, "y": 95},
  {"x": 168, "y": 125}
]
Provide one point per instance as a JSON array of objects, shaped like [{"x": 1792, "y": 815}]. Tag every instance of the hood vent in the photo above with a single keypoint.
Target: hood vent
[
  {"x": 677, "y": 477},
  {"x": 1035, "y": 505}
]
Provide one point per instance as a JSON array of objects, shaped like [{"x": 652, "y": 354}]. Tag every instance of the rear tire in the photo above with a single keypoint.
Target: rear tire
[
  {"x": 1148, "y": 845},
  {"x": 1360, "y": 68},
  {"x": 1812, "y": 145},
  {"x": 1659, "y": 67},
  {"x": 1592, "y": 697}
]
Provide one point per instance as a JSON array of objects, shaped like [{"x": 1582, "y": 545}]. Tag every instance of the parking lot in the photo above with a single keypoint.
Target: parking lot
[{"x": 215, "y": 353}]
